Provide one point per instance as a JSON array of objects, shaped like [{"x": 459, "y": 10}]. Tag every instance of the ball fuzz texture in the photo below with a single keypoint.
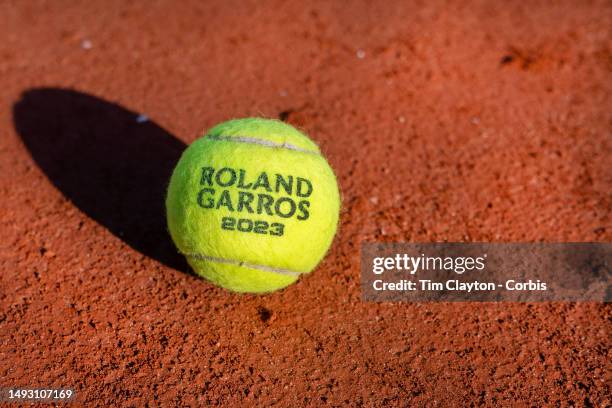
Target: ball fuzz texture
[{"x": 253, "y": 205}]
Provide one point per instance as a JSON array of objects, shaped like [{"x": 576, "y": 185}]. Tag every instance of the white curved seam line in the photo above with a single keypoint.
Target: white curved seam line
[
  {"x": 260, "y": 142},
  {"x": 264, "y": 268}
]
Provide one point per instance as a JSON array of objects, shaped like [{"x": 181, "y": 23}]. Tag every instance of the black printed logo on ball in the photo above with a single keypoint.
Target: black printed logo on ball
[{"x": 240, "y": 191}]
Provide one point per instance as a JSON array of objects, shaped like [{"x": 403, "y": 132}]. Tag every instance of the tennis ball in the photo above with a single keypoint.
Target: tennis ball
[{"x": 253, "y": 205}]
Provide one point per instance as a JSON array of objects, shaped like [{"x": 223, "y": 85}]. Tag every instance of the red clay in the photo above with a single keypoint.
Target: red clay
[{"x": 462, "y": 121}]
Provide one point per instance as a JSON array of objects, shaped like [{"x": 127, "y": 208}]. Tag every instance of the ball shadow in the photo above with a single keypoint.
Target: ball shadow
[{"x": 111, "y": 165}]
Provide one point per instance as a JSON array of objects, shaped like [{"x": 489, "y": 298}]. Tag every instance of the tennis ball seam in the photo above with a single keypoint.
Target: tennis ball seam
[
  {"x": 265, "y": 268},
  {"x": 261, "y": 142}
]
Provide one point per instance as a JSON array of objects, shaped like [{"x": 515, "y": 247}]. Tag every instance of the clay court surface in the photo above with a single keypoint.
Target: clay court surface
[{"x": 459, "y": 121}]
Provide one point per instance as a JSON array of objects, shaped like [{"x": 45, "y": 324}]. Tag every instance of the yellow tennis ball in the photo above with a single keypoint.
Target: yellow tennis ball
[{"x": 253, "y": 205}]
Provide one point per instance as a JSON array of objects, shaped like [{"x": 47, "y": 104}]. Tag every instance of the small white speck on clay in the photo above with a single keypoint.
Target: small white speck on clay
[
  {"x": 86, "y": 44},
  {"x": 282, "y": 92},
  {"x": 361, "y": 54},
  {"x": 401, "y": 119}
]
